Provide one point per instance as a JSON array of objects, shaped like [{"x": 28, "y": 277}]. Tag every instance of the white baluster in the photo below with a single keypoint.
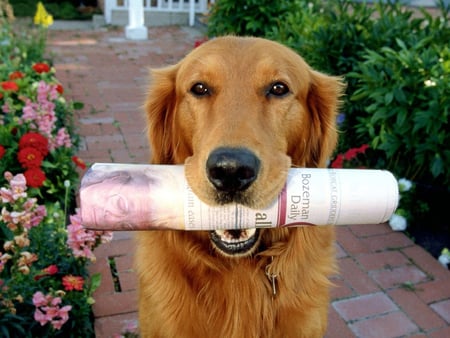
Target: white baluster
[{"x": 136, "y": 29}]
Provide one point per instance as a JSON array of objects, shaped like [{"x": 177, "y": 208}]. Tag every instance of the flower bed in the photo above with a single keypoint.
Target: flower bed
[{"x": 45, "y": 289}]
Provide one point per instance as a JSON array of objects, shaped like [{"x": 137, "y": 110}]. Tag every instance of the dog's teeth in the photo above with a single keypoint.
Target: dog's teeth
[
  {"x": 250, "y": 232},
  {"x": 235, "y": 236}
]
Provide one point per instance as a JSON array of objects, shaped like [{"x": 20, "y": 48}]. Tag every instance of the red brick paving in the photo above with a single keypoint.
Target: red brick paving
[{"x": 387, "y": 285}]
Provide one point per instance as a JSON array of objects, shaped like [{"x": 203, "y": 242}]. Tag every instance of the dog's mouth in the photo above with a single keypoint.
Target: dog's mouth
[{"x": 235, "y": 243}]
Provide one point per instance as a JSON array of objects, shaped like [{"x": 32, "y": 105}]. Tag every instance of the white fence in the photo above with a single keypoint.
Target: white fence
[{"x": 171, "y": 6}]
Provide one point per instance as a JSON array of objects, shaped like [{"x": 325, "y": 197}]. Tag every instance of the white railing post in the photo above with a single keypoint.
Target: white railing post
[
  {"x": 191, "y": 12},
  {"x": 107, "y": 10},
  {"x": 136, "y": 29}
]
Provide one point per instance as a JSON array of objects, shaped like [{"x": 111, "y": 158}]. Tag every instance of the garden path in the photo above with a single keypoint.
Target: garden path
[{"x": 387, "y": 285}]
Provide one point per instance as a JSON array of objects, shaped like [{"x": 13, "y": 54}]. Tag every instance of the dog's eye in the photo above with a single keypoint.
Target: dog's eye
[
  {"x": 278, "y": 89},
  {"x": 200, "y": 89}
]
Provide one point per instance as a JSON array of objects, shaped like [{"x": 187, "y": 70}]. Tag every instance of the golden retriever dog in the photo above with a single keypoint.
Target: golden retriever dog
[{"x": 238, "y": 113}]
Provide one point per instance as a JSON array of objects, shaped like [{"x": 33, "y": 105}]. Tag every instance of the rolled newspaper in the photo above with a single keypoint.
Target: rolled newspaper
[{"x": 141, "y": 197}]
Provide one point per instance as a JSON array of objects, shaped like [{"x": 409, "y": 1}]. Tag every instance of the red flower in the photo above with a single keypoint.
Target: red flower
[
  {"x": 36, "y": 141},
  {"x": 363, "y": 148},
  {"x": 41, "y": 68},
  {"x": 29, "y": 158},
  {"x": 79, "y": 162},
  {"x": 198, "y": 43},
  {"x": 48, "y": 271},
  {"x": 1, "y": 96},
  {"x": 51, "y": 269},
  {"x": 35, "y": 177},
  {"x": 351, "y": 154},
  {"x": 2, "y": 151},
  {"x": 10, "y": 86},
  {"x": 16, "y": 75},
  {"x": 59, "y": 88},
  {"x": 338, "y": 162},
  {"x": 71, "y": 282}
]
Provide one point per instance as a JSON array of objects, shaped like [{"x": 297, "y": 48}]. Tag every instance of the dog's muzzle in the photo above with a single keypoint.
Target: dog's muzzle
[{"x": 232, "y": 171}]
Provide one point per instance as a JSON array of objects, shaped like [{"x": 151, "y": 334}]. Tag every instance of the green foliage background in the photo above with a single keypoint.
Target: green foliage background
[{"x": 396, "y": 63}]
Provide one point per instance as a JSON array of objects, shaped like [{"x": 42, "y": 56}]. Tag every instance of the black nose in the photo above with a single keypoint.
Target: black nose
[{"x": 232, "y": 169}]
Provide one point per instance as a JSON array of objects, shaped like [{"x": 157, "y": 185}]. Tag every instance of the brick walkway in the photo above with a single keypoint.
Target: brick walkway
[{"x": 387, "y": 286}]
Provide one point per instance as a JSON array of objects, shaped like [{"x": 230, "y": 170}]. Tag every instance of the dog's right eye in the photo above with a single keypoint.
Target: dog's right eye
[{"x": 200, "y": 89}]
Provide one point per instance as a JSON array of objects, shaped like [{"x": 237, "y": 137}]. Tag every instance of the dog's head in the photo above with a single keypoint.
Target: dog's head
[{"x": 239, "y": 112}]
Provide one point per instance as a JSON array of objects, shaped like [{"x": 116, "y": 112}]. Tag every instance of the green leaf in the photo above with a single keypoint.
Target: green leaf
[
  {"x": 388, "y": 98},
  {"x": 96, "y": 280},
  {"x": 400, "y": 43},
  {"x": 78, "y": 105},
  {"x": 437, "y": 165},
  {"x": 421, "y": 119},
  {"x": 399, "y": 95},
  {"x": 359, "y": 94},
  {"x": 402, "y": 114}
]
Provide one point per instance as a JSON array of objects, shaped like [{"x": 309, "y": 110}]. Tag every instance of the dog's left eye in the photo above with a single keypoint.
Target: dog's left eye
[
  {"x": 200, "y": 89},
  {"x": 278, "y": 89}
]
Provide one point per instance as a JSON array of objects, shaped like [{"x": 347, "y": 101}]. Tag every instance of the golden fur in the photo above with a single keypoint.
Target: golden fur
[{"x": 187, "y": 288}]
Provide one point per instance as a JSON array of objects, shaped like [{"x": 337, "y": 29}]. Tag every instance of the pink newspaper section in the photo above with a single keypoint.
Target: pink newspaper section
[{"x": 144, "y": 197}]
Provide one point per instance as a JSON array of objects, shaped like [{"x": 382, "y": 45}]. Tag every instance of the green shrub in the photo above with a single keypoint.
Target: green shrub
[
  {"x": 343, "y": 37},
  {"x": 24, "y": 8},
  {"x": 334, "y": 37},
  {"x": 407, "y": 97},
  {"x": 63, "y": 10},
  {"x": 245, "y": 17}
]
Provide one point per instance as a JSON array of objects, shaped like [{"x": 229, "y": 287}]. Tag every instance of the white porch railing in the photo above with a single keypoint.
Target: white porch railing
[{"x": 183, "y": 6}]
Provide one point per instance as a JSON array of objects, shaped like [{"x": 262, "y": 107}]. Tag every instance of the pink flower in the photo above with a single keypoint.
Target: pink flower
[
  {"x": 23, "y": 211},
  {"x": 46, "y": 91},
  {"x": 41, "y": 114},
  {"x": 39, "y": 299},
  {"x": 63, "y": 139},
  {"x": 4, "y": 258},
  {"x": 61, "y": 316},
  {"x": 48, "y": 310},
  {"x": 38, "y": 215},
  {"x": 18, "y": 186},
  {"x": 83, "y": 241},
  {"x": 6, "y": 195},
  {"x": 80, "y": 240},
  {"x": 6, "y": 108},
  {"x": 105, "y": 236}
]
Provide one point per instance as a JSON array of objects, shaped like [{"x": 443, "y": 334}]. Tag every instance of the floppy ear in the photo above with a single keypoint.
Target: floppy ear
[
  {"x": 323, "y": 103},
  {"x": 159, "y": 108}
]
